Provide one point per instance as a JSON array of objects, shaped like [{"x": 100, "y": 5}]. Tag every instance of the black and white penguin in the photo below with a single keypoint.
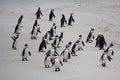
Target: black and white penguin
[
  {"x": 102, "y": 42},
  {"x": 74, "y": 48},
  {"x": 90, "y": 36},
  {"x": 52, "y": 53},
  {"x": 38, "y": 13},
  {"x": 80, "y": 43},
  {"x": 57, "y": 63},
  {"x": 51, "y": 15},
  {"x": 97, "y": 41},
  {"x": 35, "y": 32},
  {"x": 71, "y": 19},
  {"x": 52, "y": 31},
  {"x": 15, "y": 37},
  {"x": 34, "y": 26},
  {"x": 60, "y": 39},
  {"x": 56, "y": 41},
  {"x": 20, "y": 19},
  {"x": 63, "y": 20},
  {"x": 25, "y": 53},
  {"x": 42, "y": 46},
  {"x": 47, "y": 61},
  {"x": 107, "y": 55},
  {"x": 65, "y": 54}
]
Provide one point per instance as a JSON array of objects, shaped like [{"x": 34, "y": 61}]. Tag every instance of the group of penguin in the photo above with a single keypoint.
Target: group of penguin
[{"x": 52, "y": 57}]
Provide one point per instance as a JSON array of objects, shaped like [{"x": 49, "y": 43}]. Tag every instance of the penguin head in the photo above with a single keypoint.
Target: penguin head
[
  {"x": 70, "y": 43},
  {"x": 53, "y": 24},
  {"x": 111, "y": 45},
  {"x": 80, "y": 35},
  {"x": 71, "y": 14},
  {"x": 26, "y": 45},
  {"x": 56, "y": 36}
]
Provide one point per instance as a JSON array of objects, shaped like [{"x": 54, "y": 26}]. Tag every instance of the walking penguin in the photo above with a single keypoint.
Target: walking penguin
[
  {"x": 25, "y": 53},
  {"x": 57, "y": 63},
  {"x": 107, "y": 55},
  {"x": 38, "y": 13},
  {"x": 63, "y": 20},
  {"x": 51, "y": 15},
  {"x": 71, "y": 19},
  {"x": 90, "y": 36}
]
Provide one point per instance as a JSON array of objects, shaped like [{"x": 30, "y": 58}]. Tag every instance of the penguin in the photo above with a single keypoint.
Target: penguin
[
  {"x": 42, "y": 45},
  {"x": 35, "y": 32},
  {"x": 57, "y": 63},
  {"x": 90, "y": 36},
  {"x": 25, "y": 53},
  {"x": 34, "y": 25},
  {"x": 110, "y": 51},
  {"x": 107, "y": 55},
  {"x": 74, "y": 48},
  {"x": 52, "y": 31},
  {"x": 20, "y": 19},
  {"x": 63, "y": 20},
  {"x": 38, "y": 13},
  {"x": 56, "y": 41},
  {"x": 66, "y": 54},
  {"x": 80, "y": 43},
  {"x": 51, "y": 15},
  {"x": 71, "y": 19},
  {"x": 60, "y": 39},
  {"x": 47, "y": 61},
  {"x": 15, "y": 37},
  {"x": 102, "y": 42},
  {"x": 97, "y": 41},
  {"x": 52, "y": 53}
]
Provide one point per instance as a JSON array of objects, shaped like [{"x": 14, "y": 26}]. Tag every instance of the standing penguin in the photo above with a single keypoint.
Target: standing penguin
[
  {"x": 35, "y": 32},
  {"x": 57, "y": 63},
  {"x": 90, "y": 36},
  {"x": 60, "y": 39},
  {"x": 66, "y": 54},
  {"x": 63, "y": 20},
  {"x": 52, "y": 53},
  {"x": 51, "y": 15},
  {"x": 25, "y": 53},
  {"x": 56, "y": 41},
  {"x": 74, "y": 48},
  {"x": 97, "y": 40},
  {"x": 102, "y": 42},
  {"x": 15, "y": 37},
  {"x": 34, "y": 25},
  {"x": 107, "y": 55},
  {"x": 80, "y": 43},
  {"x": 42, "y": 46},
  {"x": 52, "y": 32},
  {"x": 47, "y": 61},
  {"x": 38, "y": 13},
  {"x": 71, "y": 19}
]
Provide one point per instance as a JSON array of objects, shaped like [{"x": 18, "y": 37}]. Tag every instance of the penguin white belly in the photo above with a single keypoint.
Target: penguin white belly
[
  {"x": 57, "y": 63},
  {"x": 105, "y": 58},
  {"x": 47, "y": 62},
  {"x": 65, "y": 55},
  {"x": 80, "y": 45},
  {"x": 110, "y": 52}
]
